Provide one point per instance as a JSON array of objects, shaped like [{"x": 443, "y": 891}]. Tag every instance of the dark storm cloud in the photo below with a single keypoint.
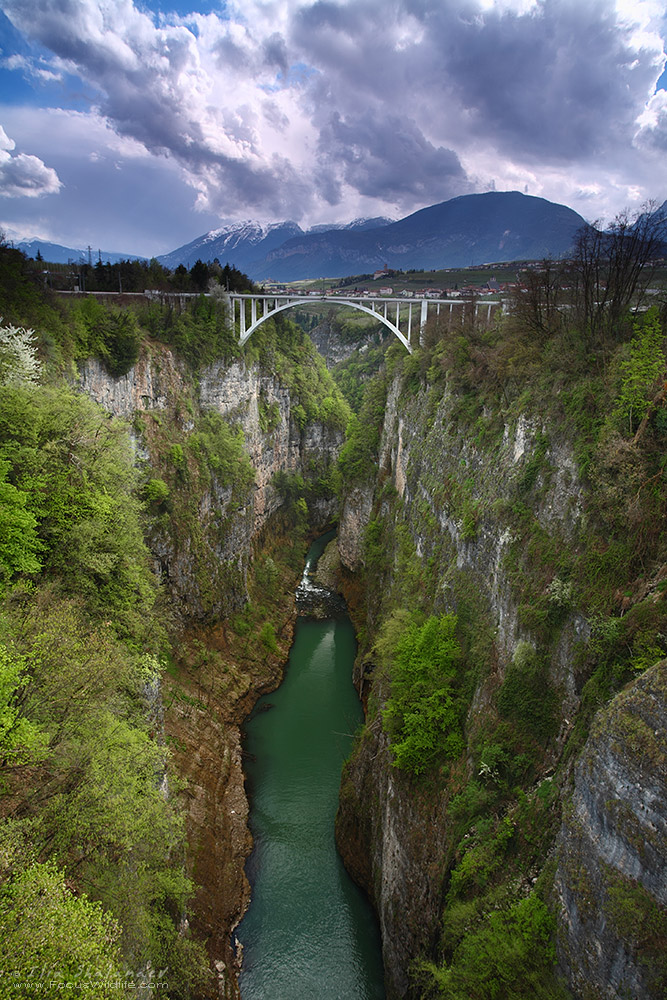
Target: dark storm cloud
[
  {"x": 134, "y": 77},
  {"x": 150, "y": 89},
  {"x": 274, "y": 51},
  {"x": 561, "y": 81},
  {"x": 286, "y": 104},
  {"x": 389, "y": 154},
  {"x": 558, "y": 81}
]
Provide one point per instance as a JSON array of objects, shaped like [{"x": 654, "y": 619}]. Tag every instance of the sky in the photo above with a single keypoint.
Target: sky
[{"x": 137, "y": 125}]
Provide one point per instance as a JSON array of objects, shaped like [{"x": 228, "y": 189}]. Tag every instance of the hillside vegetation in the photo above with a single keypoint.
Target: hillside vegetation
[{"x": 93, "y": 884}]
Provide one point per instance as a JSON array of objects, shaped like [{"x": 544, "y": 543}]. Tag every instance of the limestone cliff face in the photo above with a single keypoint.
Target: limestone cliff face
[
  {"x": 456, "y": 503},
  {"x": 451, "y": 502},
  {"x": 612, "y": 848},
  {"x": 246, "y": 397},
  {"x": 393, "y": 841},
  {"x": 354, "y": 517},
  {"x": 151, "y": 384},
  {"x": 238, "y": 393},
  {"x": 328, "y": 341},
  {"x": 203, "y": 548}
]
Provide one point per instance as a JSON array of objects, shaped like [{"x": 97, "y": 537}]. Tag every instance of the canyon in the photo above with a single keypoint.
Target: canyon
[{"x": 483, "y": 513}]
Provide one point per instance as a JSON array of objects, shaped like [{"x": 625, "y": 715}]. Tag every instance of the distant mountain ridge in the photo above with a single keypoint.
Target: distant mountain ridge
[
  {"x": 247, "y": 245},
  {"x": 57, "y": 254},
  {"x": 468, "y": 230},
  {"x": 472, "y": 229}
]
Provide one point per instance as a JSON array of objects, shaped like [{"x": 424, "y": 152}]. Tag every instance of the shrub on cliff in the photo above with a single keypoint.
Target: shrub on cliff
[
  {"x": 71, "y": 467},
  {"x": 511, "y": 955},
  {"x": 422, "y": 715}
]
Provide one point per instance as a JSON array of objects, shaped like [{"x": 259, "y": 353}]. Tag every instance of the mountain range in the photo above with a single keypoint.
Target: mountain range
[
  {"x": 247, "y": 245},
  {"x": 55, "y": 253},
  {"x": 471, "y": 229}
]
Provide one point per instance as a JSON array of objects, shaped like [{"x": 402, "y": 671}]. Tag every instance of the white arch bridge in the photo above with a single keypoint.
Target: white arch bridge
[{"x": 390, "y": 311}]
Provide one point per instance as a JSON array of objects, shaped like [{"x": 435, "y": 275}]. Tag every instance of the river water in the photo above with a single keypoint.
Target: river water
[{"x": 310, "y": 933}]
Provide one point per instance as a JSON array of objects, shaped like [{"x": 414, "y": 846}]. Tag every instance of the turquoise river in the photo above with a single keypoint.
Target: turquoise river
[{"x": 310, "y": 933}]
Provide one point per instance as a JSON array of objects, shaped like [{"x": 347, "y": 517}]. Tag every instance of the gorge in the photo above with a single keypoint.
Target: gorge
[{"x": 501, "y": 548}]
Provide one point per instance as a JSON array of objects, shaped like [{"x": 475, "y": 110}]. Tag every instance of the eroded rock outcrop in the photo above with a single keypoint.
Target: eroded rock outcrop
[
  {"x": 610, "y": 882},
  {"x": 204, "y": 564}
]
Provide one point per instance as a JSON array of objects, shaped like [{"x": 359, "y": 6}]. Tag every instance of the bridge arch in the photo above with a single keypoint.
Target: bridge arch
[{"x": 273, "y": 304}]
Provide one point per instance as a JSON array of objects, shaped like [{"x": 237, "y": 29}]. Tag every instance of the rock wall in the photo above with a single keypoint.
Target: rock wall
[
  {"x": 331, "y": 345},
  {"x": 453, "y": 497},
  {"x": 202, "y": 551},
  {"x": 162, "y": 385},
  {"x": 456, "y": 497},
  {"x": 612, "y": 849}
]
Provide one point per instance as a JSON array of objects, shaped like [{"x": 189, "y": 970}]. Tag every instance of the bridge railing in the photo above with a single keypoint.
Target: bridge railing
[{"x": 390, "y": 310}]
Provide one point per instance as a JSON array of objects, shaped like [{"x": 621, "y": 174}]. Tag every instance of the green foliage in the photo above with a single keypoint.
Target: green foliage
[
  {"x": 266, "y": 574},
  {"x": 98, "y": 809},
  {"x": 509, "y": 957},
  {"x": 177, "y": 458},
  {"x": 19, "y": 543},
  {"x": 480, "y": 861},
  {"x": 21, "y": 741},
  {"x": 422, "y": 714},
  {"x": 289, "y": 485},
  {"x": 526, "y": 697},
  {"x": 110, "y": 333},
  {"x": 352, "y": 376},
  {"x": 122, "y": 340},
  {"x": 641, "y": 369},
  {"x": 24, "y": 302},
  {"x": 375, "y": 549},
  {"x": 334, "y": 411},
  {"x": 73, "y": 465},
  {"x": 269, "y": 415},
  {"x": 219, "y": 450},
  {"x": 359, "y": 454},
  {"x": 72, "y": 695},
  {"x": 267, "y": 637},
  {"x": 50, "y": 935},
  {"x": 293, "y": 490},
  {"x": 199, "y": 332},
  {"x": 155, "y": 492}
]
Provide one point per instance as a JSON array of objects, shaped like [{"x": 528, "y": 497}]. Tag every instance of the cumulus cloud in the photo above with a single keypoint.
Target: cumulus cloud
[
  {"x": 653, "y": 124},
  {"x": 287, "y": 108},
  {"x": 117, "y": 196},
  {"x": 23, "y": 175}
]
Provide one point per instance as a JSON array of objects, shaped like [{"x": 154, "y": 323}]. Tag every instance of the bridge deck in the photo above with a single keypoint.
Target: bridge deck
[{"x": 263, "y": 306}]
